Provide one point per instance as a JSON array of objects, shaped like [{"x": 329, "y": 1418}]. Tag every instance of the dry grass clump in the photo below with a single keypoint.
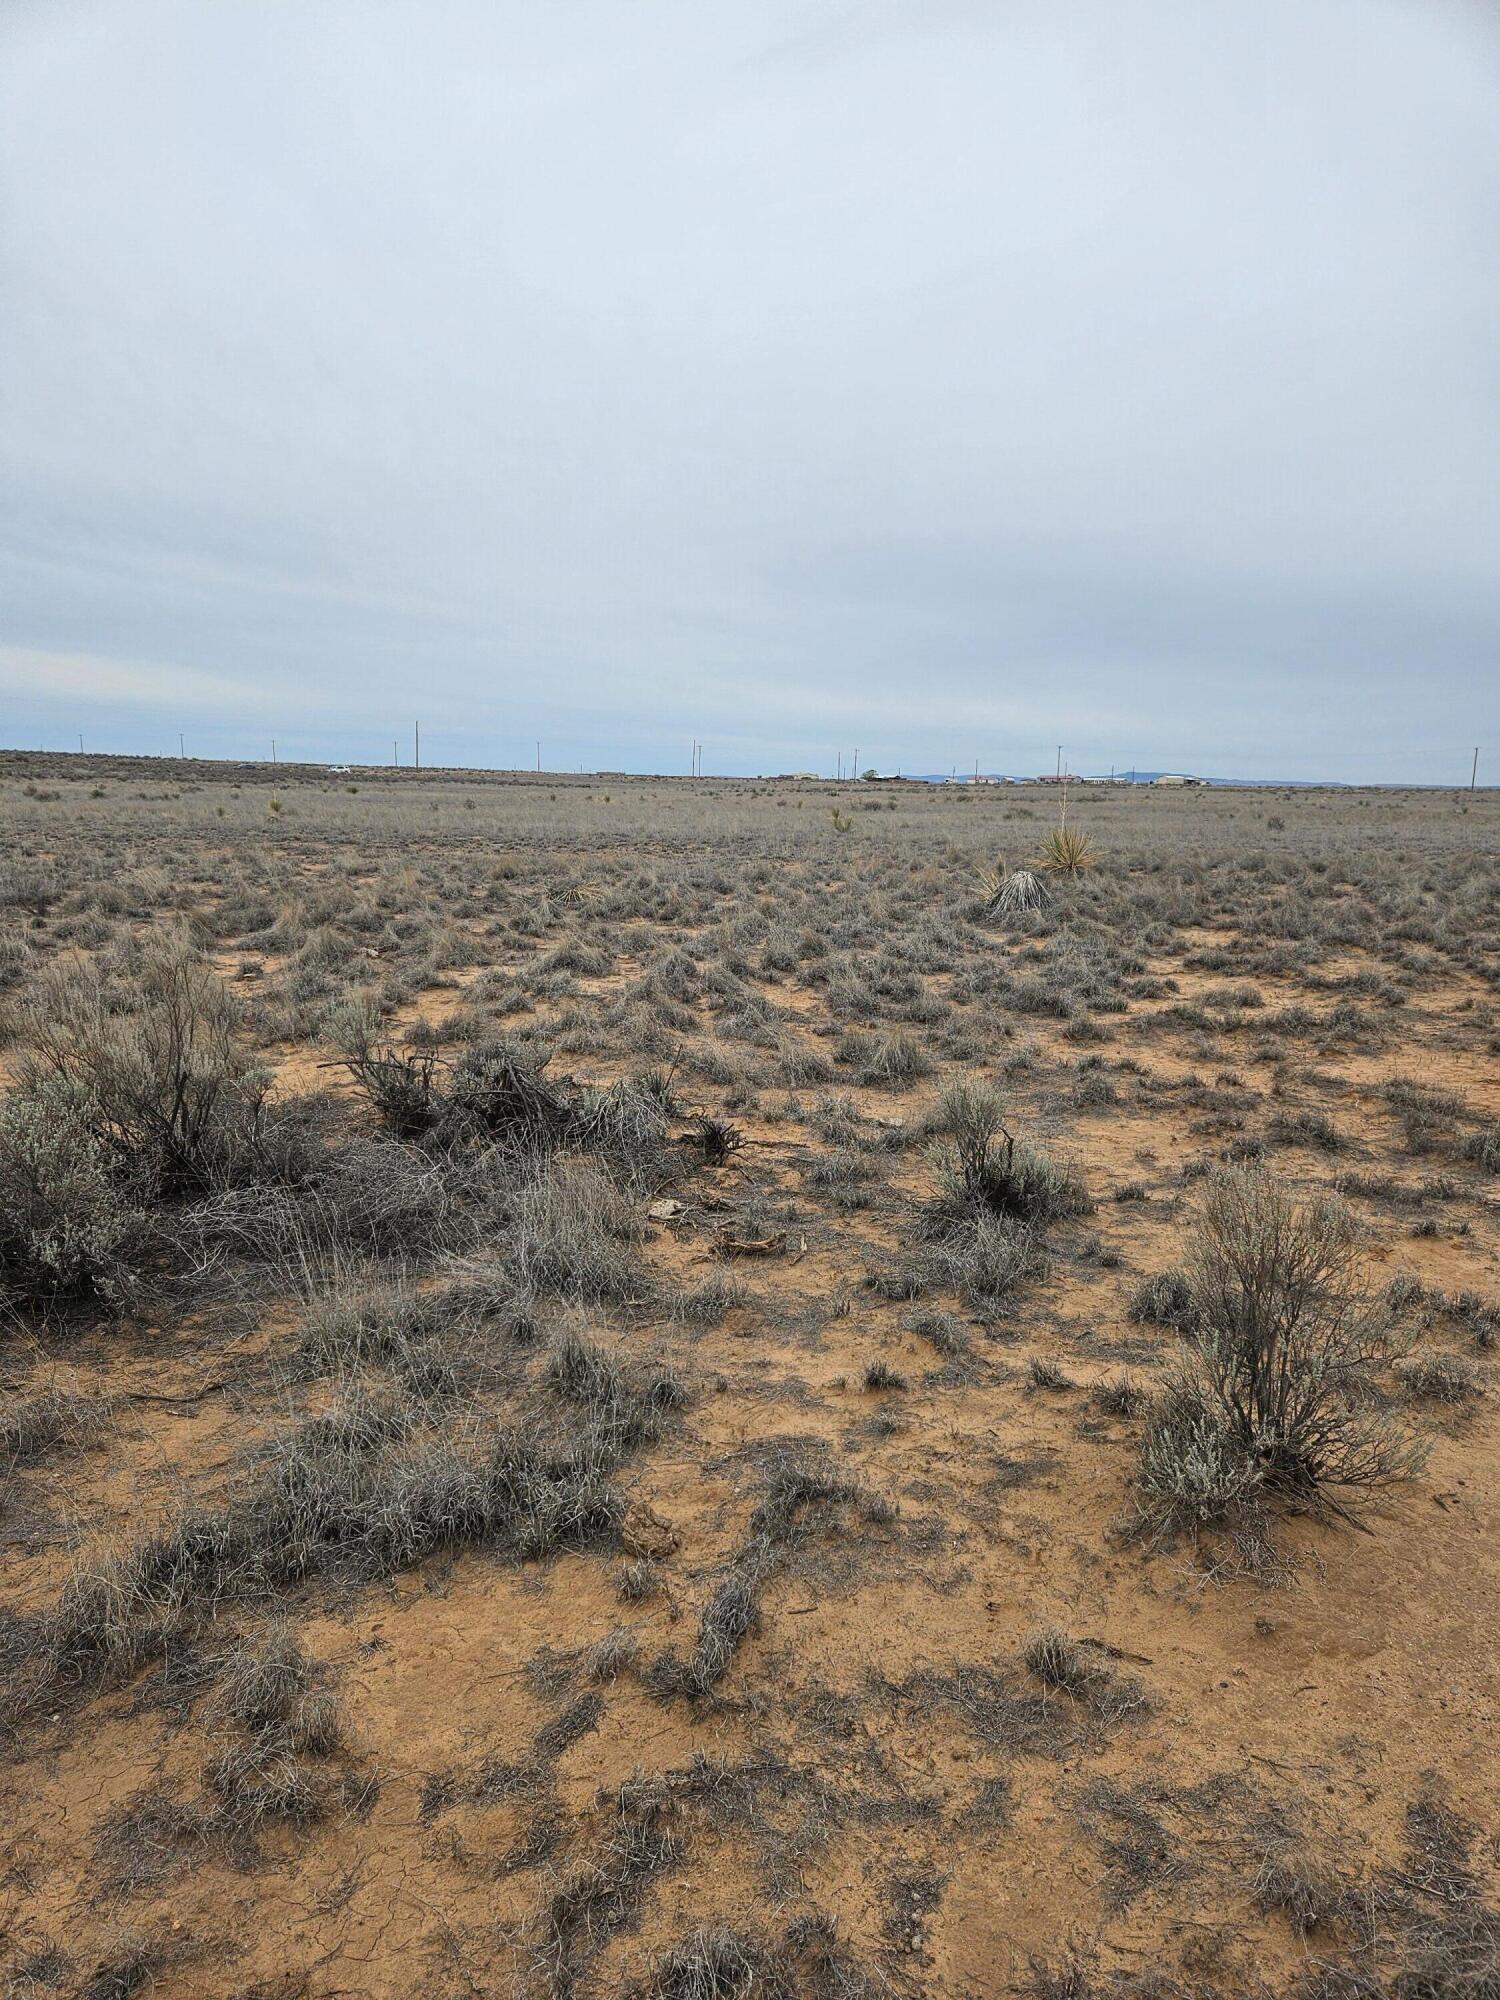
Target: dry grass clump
[
  {"x": 54, "y": 1420},
  {"x": 1303, "y": 1887},
  {"x": 625, "y": 1409},
  {"x": 277, "y": 1717},
  {"x": 361, "y": 1492},
  {"x": 1053, "y": 1658},
  {"x": 431, "y": 1341},
  {"x": 1119, "y": 1398},
  {"x": 572, "y": 1235},
  {"x": 989, "y": 1175},
  {"x": 273, "y": 1726},
  {"x": 709, "y": 1964},
  {"x": 402, "y": 1084},
  {"x": 795, "y": 1498},
  {"x": 1426, "y": 1114},
  {"x": 497, "y": 1094},
  {"x": 891, "y": 1061},
  {"x": 131, "y": 1968},
  {"x": 1164, "y": 1299},
  {"x": 1010, "y": 1179},
  {"x": 1440, "y": 1378},
  {"x": 983, "y": 1259},
  {"x": 982, "y": 1228},
  {"x": 714, "y": 1962},
  {"x": 1305, "y": 1128}
]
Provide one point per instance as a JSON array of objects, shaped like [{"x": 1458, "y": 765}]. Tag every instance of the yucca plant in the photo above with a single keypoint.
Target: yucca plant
[
  {"x": 1013, "y": 894},
  {"x": 1066, "y": 851}
]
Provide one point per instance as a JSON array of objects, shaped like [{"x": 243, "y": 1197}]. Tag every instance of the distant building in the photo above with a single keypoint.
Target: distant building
[
  {"x": 1176, "y": 778},
  {"x": 1058, "y": 778},
  {"x": 800, "y": 777}
]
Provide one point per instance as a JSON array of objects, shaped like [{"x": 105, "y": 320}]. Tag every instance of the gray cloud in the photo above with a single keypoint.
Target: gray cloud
[{"x": 947, "y": 379}]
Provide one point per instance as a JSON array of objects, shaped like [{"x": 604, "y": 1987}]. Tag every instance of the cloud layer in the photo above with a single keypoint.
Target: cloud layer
[{"x": 944, "y": 379}]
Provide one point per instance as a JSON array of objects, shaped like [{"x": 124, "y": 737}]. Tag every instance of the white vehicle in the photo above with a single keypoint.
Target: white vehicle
[{"x": 340, "y": 770}]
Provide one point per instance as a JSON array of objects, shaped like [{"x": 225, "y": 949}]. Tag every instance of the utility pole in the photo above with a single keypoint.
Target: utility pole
[
  {"x": 1059, "y": 760},
  {"x": 273, "y": 749},
  {"x": 181, "y": 753},
  {"x": 80, "y": 742},
  {"x": 855, "y": 772},
  {"x": 1474, "y": 772},
  {"x": 416, "y": 746},
  {"x": 539, "y": 753}
]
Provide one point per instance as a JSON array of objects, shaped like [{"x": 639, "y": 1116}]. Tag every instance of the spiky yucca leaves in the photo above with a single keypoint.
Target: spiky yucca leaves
[
  {"x": 1066, "y": 851},
  {"x": 1016, "y": 894}
]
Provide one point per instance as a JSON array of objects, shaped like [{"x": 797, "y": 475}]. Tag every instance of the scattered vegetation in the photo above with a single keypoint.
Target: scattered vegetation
[{"x": 439, "y": 1390}]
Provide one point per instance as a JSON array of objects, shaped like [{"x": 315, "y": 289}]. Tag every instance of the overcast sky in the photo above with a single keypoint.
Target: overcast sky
[{"x": 946, "y": 379}]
